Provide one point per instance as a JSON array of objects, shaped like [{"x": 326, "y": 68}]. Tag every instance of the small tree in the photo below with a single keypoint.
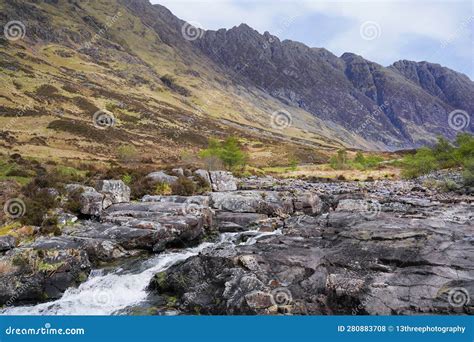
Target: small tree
[
  {"x": 232, "y": 154},
  {"x": 359, "y": 158},
  {"x": 229, "y": 152},
  {"x": 339, "y": 161}
]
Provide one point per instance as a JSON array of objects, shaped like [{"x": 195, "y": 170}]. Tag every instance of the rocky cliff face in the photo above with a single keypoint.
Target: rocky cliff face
[{"x": 401, "y": 106}]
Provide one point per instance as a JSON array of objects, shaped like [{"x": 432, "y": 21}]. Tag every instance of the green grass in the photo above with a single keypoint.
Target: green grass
[
  {"x": 6, "y": 168},
  {"x": 8, "y": 229}
]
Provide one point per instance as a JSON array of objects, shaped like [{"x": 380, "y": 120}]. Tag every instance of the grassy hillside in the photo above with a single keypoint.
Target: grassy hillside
[{"x": 165, "y": 101}]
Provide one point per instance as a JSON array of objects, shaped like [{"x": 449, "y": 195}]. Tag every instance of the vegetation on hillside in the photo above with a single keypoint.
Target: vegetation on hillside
[
  {"x": 341, "y": 161},
  {"x": 443, "y": 155}
]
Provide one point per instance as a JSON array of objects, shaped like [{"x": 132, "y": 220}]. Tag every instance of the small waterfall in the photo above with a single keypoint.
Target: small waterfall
[{"x": 107, "y": 293}]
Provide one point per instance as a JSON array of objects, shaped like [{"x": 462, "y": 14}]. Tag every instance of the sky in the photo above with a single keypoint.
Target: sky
[{"x": 382, "y": 31}]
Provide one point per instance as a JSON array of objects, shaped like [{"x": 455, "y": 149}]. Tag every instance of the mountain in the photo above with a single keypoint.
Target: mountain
[
  {"x": 400, "y": 106},
  {"x": 165, "y": 88}
]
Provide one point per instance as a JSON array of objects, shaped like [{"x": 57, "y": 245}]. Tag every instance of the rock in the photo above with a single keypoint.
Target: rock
[
  {"x": 338, "y": 263},
  {"x": 270, "y": 224},
  {"x": 222, "y": 181},
  {"x": 248, "y": 201},
  {"x": 114, "y": 191},
  {"x": 236, "y": 222},
  {"x": 65, "y": 218},
  {"x": 150, "y": 226},
  {"x": 178, "y": 172},
  {"x": 91, "y": 203},
  {"x": 90, "y": 200},
  {"x": 7, "y": 242},
  {"x": 162, "y": 177},
  {"x": 199, "y": 200},
  {"x": 352, "y": 205},
  {"x": 309, "y": 203},
  {"x": 203, "y": 174},
  {"x": 33, "y": 275}
]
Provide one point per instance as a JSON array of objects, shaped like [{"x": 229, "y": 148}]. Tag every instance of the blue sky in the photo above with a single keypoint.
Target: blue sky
[{"x": 383, "y": 31}]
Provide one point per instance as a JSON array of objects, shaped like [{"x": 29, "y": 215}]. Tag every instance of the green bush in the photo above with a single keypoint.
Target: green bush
[
  {"x": 50, "y": 225},
  {"x": 468, "y": 173},
  {"x": 420, "y": 163},
  {"x": 229, "y": 152},
  {"x": 73, "y": 203},
  {"x": 441, "y": 156}
]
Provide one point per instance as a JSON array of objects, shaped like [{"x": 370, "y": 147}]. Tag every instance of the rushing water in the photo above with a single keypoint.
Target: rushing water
[{"x": 109, "y": 292}]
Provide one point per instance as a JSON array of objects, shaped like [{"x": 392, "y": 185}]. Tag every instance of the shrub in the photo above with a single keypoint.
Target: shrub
[
  {"x": 73, "y": 203},
  {"x": 468, "y": 173},
  {"x": 183, "y": 187},
  {"x": 18, "y": 172},
  {"x": 127, "y": 153},
  {"x": 339, "y": 161},
  {"x": 202, "y": 185},
  {"x": 46, "y": 90},
  {"x": 229, "y": 152},
  {"x": 37, "y": 206},
  {"x": 170, "y": 82},
  {"x": 127, "y": 179},
  {"x": 141, "y": 187},
  {"x": 420, "y": 163},
  {"x": 442, "y": 155},
  {"x": 359, "y": 158},
  {"x": 50, "y": 226},
  {"x": 162, "y": 189},
  {"x": 293, "y": 164}
]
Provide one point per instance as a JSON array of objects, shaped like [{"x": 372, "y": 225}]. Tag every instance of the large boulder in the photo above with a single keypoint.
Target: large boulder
[
  {"x": 162, "y": 177},
  {"x": 309, "y": 203},
  {"x": 91, "y": 201},
  {"x": 32, "y": 275},
  {"x": 114, "y": 191},
  {"x": 248, "y": 201},
  {"x": 236, "y": 222},
  {"x": 222, "y": 181},
  {"x": 204, "y": 174}
]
